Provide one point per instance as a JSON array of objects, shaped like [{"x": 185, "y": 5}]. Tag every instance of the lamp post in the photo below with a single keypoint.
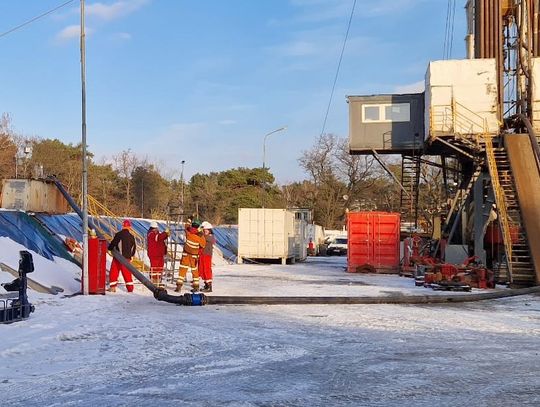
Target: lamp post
[
  {"x": 84, "y": 191},
  {"x": 264, "y": 143}
]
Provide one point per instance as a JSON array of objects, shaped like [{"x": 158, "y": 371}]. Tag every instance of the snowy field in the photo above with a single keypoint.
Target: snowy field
[{"x": 130, "y": 350}]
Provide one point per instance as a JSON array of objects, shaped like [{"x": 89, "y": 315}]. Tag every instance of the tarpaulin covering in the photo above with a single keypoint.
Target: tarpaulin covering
[
  {"x": 27, "y": 231},
  {"x": 70, "y": 225},
  {"x": 227, "y": 241}
]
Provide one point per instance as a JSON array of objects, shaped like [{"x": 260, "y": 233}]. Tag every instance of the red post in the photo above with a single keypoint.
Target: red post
[{"x": 97, "y": 263}]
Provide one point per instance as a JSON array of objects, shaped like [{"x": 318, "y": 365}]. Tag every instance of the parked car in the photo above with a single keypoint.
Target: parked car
[{"x": 337, "y": 246}]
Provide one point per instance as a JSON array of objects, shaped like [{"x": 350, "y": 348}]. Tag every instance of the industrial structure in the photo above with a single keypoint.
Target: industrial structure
[{"x": 478, "y": 120}]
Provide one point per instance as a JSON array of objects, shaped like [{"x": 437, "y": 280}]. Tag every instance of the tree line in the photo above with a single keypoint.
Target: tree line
[{"x": 129, "y": 185}]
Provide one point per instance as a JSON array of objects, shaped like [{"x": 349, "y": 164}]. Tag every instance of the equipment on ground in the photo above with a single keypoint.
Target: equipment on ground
[{"x": 17, "y": 309}]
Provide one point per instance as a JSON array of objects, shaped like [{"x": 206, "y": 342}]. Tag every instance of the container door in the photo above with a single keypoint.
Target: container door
[
  {"x": 360, "y": 247},
  {"x": 386, "y": 241}
]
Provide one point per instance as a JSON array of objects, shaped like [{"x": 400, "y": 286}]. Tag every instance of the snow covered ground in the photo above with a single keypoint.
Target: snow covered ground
[{"x": 128, "y": 349}]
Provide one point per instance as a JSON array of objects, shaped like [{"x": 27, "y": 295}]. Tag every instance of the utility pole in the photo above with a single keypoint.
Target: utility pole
[{"x": 84, "y": 158}]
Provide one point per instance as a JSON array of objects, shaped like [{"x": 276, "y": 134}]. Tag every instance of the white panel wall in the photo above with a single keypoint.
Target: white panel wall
[
  {"x": 265, "y": 233},
  {"x": 472, "y": 83}
]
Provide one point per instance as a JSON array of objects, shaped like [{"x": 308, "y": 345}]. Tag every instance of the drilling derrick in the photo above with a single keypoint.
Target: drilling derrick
[{"x": 479, "y": 119}]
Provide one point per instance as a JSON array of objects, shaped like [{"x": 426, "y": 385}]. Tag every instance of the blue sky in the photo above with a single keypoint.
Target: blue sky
[{"x": 205, "y": 80}]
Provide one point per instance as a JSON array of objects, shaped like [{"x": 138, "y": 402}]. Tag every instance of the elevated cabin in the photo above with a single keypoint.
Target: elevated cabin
[{"x": 392, "y": 124}]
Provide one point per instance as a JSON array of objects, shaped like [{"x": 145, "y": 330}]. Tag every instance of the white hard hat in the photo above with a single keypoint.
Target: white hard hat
[
  {"x": 206, "y": 225},
  {"x": 154, "y": 224}
]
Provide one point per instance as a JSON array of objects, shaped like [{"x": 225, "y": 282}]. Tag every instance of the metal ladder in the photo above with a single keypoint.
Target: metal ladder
[{"x": 410, "y": 177}]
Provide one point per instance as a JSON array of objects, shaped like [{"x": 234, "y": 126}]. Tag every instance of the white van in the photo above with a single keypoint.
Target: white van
[{"x": 337, "y": 246}]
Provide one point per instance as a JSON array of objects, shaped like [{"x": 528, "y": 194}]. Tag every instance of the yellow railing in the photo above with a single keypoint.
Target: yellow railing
[
  {"x": 501, "y": 202},
  {"x": 106, "y": 222},
  {"x": 458, "y": 120}
]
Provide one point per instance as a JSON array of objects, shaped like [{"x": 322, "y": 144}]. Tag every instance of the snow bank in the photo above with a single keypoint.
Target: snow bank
[{"x": 57, "y": 272}]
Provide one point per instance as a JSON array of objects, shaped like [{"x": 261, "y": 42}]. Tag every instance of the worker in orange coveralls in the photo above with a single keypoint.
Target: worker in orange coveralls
[
  {"x": 205, "y": 260},
  {"x": 124, "y": 242},
  {"x": 190, "y": 256},
  {"x": 156, "y": 250}
]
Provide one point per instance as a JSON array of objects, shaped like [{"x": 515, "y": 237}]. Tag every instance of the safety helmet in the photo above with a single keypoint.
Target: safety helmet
[
  {"x": 126, "y": 223},
  {"x": 154, "y": 224},
  {"x": 195, "y": 223},
  {"x": 206, "y": 225}
]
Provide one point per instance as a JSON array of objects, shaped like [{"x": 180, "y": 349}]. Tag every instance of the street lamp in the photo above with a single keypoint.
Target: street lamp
[
  {"x": 264, "y": 143},
  {"x": 84, "y": 189}
]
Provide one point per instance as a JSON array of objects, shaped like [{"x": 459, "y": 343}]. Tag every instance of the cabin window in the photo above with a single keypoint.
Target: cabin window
[
  {"x": 398, "y": 112},
  {"x": 371, "y": 113},
  {"x": 386, "y": 113}
]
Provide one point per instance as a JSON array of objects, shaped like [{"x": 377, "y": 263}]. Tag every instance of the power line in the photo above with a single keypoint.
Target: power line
[
  {"x": 35, "y": 18},
  {"x": 338, "y": 67},
  {"x": 449, "y": 29}
]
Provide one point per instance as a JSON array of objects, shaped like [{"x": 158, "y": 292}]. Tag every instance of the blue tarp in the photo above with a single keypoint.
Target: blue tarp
[
  {"x": 25, "y": 230},
  {"x": 35, "y": 234},
  {"x": 71, "y": 224},
  {"x": 227, "y": 241}
]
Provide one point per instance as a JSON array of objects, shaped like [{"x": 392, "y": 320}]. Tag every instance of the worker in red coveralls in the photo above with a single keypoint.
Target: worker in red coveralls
[
  {"x": 205, "y": 259},
  {"x": 156, "y": 250},
  {"x": 190, "y": 256},
  {"x": 124, "y": 242}
]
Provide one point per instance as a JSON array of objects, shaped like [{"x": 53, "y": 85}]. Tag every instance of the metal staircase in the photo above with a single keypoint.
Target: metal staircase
[
  {"x": 518, "y": 258},
  {"x": 410, "y": 178}
]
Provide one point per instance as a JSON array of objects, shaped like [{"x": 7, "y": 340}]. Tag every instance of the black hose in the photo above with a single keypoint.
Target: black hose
[{"x": 397, "y": 299}]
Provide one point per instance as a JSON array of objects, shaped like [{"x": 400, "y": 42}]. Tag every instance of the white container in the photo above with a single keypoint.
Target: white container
[
  {"x": 301, "y": 239},
  {"x": 266, "y": 234},
  {"x": 461, "y": 97}
]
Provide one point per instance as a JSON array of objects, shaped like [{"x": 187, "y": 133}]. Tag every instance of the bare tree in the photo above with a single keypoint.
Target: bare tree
[
  {"x": 125, "y": 163},
  {"x": 8, "y": 148}
]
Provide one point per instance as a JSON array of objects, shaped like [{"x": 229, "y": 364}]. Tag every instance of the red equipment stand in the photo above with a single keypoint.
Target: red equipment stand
[{"x": 97, "y": 265}]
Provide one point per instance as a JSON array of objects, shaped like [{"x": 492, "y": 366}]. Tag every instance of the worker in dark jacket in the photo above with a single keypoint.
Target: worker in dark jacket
[
  {"x": 124, "y": 242},
  {"x": 156, "y": 249}
]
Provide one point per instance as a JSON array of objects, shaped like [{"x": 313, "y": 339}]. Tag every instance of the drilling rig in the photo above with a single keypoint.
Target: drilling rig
[{"x": 478, "y": 120}]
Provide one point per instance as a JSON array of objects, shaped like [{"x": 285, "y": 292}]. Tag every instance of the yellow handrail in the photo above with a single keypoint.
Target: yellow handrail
[
  {"x": 501, "y": 202},
  {"x": 452, "y": 119},
  {"x": 107, "y": 222}
]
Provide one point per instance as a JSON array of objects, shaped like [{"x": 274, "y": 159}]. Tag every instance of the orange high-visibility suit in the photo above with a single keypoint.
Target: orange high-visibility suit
[{"x": 190, "y": 257}]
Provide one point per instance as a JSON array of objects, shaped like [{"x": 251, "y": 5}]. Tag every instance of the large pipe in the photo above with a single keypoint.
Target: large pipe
[
  {"x": 397, "y": 299},
  {"x": 159, "y": 293}
]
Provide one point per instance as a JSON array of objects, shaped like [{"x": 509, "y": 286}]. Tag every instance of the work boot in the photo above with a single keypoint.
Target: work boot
[
  {"x": 178, "y": 287},
  {"x": 112, "y": 289},
  {"x": 195, "y": 288},
  {"x": 207, "y": 288}
]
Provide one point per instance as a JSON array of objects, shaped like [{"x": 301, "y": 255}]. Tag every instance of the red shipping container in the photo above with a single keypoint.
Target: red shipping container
[
  {"x": 97, "y": 265},
  {"x": 373, "y": 240}
]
